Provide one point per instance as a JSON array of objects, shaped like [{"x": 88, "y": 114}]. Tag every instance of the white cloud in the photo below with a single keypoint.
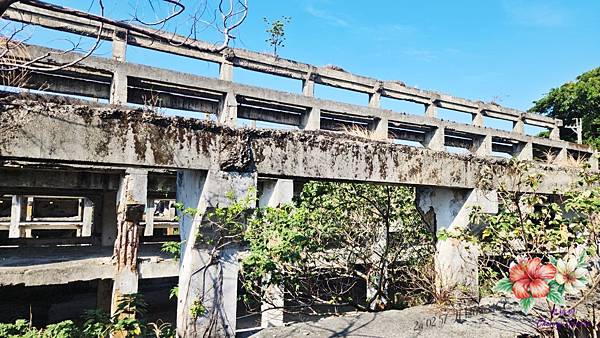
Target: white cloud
[
  {"x": 331, "y": 18},
  {"x": 534, "y": 13}
]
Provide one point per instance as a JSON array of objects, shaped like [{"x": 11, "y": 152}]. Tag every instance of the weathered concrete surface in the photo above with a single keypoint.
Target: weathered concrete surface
[
  {"x": 109, "y": 135},
  {"x": 46, "y": 266},
  {"x": 491, "y": 319}
]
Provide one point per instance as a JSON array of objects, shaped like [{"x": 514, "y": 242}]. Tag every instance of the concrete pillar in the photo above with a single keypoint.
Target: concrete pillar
[
  {"x": 478, "y": 118},
  {"x": 204, "y": 279},
  {"x": 118, "y": 87},
  {"x": 130, "y": 210},
  {"x": 108, "y": 217},
  {"x": 14, "y": 230},
  {"x": 431, "y": 109},
  {"x": 274, "y": 194},
  {"x": 435, "y": 139},
  {"x": 482, "y": 145},
  {"x": 226, "y": 70},
  {"x": 562, "y": 157},
  {"x": 523, "y": 151},
  {"x": 555, "y": 133},
  {"x": 455, "y": 261},
  {"x": 594, "y": 161},
  {"x": 87, "y": 217},
  {"x": 149, "y": 228},
  {"x": 519, "y": 126},
  {"x": 311, "y": 119},
  {"x": 379, "y": 128},
  {"x": 104, "y": 294},
  {"x": 308, "y": 86},
  {"x": 374, "y": 99},
  {"x": 228, "y": 110}
]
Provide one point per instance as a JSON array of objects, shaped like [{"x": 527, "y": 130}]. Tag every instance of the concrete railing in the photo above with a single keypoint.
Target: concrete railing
[{"x": 122, "y": 83}]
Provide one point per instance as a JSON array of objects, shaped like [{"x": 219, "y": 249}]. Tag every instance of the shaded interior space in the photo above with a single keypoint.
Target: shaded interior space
[{"x": 54, "y": 303}]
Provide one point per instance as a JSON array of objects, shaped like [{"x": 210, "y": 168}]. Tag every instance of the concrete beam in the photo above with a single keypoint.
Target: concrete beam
[{"x": 89, "y": 135}]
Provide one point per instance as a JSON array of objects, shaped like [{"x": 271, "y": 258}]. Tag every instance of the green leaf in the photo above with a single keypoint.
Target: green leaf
[
  {"x": 552, "y": 260},
  {"x": 503, "y": 285},
  {"x": 527, "y": 304},
  {"x": 556, "y": 293}
]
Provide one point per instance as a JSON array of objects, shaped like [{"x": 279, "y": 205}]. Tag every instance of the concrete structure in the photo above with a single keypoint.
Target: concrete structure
[{"x": 119, "y": 162}]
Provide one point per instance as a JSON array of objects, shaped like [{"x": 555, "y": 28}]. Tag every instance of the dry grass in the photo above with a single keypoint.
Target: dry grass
[
  {"x": 358, "y": 131},
  {"x": 11, "y": 53}
]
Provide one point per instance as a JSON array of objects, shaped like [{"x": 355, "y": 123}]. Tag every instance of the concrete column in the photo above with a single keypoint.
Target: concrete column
[
  {"x": 311, "y": 119},
  {"x": 109, "y": 218},
  {"x": 519, "y": 126},
  {"x": 594, "y": 161},
  {"x": 379, "y": 129},
  {"x": 308, "y": 86},
  {"x": 482, "y": 146},
  {"x": 449, "y": 209},
  {"x": 118, "y": 87},
  {"x": 555, "y": 133},
  {"x": 431, "y": 109},
  {"x": 435, "y": 139},
  {"x": 478, "y": 118},
  {"x": 562, "y": 157},
  {"x": 274, "y": 194},
  {"x": 374, "y": 99},
  {"x": 130, "y": 210},
  {"x": 226, "y": 70},
  {"x": 87, "y": 217},
  {"x": 104, "y": 294},
  {"x": 149, "y": 228},
  {"x": 228, "y": 110},
  {"x": 524, "y": 151},
  {"x": 203, "y": 279},
  {"x": 14, "y": 230}
]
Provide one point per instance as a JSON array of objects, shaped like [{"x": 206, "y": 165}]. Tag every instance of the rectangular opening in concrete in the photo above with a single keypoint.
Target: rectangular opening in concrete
[
  {"x": 341, "y": 95},
  {"x": 454, "y": 115},
  {"x": 544, "y": 154},
  {"x": 258, "y": 79},
  {"x": 502, "y": 147},
  {"x": 536, "y": 130},
  {"x": 402, "y": 106},
  {"x": 492, "y": 122},
  {"x": 356, "y": 125},
  {"x": 406, "y": 132},
  {"x": 170, "y": 61}
]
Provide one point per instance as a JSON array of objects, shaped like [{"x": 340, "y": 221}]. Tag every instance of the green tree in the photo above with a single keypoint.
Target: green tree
[
  {"x": 276, "y": 32},
  {"x": 577, "y": 99}
]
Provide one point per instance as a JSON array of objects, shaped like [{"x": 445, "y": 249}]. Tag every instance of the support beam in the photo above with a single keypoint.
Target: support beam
[
  {"x": 226, "y": 70},
  {"x": 478, "y": 118},
  {"x": 431, "y": 109},
  {"x": 205, "y": 279},
  {"x": 555, "y": 133},
  {"x": 118, "y": 87},
  {"x": 562, "y": 157},
  {"x": 311, "y": 119},
  {"x": 524, "y": 151},
  {"x": 519, "y": 126},
  {"x": 130, "y": 210},
  {"x": 435, "y": 139},
  {"x": 229, "y": 110},
  {"x": 149, "y": 228},
  {"x": 15, "y": 216},
  {"x": 274, "y": 194},
  {"x": 308, "y": 86},
  {"x": 455, "y": 261},
  {"x": 87, "y": 217},
  {"x": 482, "y": 146}
]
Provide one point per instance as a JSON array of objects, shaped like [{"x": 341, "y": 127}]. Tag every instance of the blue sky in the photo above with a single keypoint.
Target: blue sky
[{"x": 504, "y": 50}]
